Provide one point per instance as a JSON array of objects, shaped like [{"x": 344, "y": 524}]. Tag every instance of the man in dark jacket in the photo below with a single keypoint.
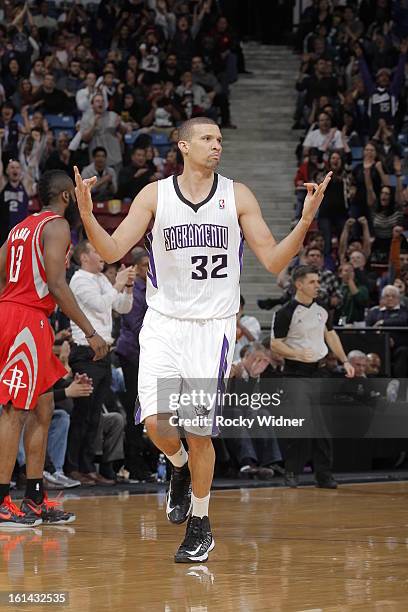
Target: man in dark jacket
[
  {"x": 392, "y": 314},
  {"x": 128, "y": 350}
]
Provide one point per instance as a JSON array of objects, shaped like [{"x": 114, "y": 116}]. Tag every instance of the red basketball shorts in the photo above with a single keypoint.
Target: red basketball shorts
[{"x": 28, "y": 367}]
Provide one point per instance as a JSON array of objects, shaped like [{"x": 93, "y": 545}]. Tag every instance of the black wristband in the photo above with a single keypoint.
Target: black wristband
[
  {"x": 91, "y": 335},
  {"x": 128, "y": 285}
]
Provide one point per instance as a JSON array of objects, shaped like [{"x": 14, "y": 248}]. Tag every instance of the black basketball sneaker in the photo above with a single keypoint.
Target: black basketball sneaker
[
  {"x": 50, "y": 511},
  {"x": 178, "y": 506},
  {"x": 197, "y": 543},
  {"x": 12, "y": 517}
]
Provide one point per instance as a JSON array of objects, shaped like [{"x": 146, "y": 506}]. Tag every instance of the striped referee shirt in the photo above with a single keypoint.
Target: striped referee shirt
[{"x": 302, "y": 326}]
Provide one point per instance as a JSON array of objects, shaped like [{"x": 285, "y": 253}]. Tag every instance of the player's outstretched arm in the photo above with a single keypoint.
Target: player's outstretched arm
[
  {"x": 128, "y": 233},
  {"x": 272, "y": 255},
  {"x": 57, "y": 237}
]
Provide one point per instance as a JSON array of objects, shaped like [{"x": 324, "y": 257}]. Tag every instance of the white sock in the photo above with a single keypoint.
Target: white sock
[
  {"x": 180, "y": 458},
  {"x": 200, "y": 505}
]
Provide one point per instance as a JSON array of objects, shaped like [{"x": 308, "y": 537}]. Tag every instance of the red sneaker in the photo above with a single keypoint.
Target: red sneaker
[
  {"x": 49, "y": 510},
  {"x": 13, "y": 517}
]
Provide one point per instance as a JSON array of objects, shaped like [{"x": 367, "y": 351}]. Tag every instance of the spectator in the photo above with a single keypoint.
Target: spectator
[
  {"x": 23, "y": 96},
  {"x": 44, "y": 21},
  {"x": 97, "y": 297},
  {"x": 325, "y": 138},
  {"x": 37, "y": 75},
  {"x": 248, "y": 330},
  {"x": 106, "y": 185},
  {"x": 9, "y": 133},
  {"x": 80, "y": 386},
  {"x": 109, "y": 443},
  {"x": 193, "y": 97},
  {"x": 170, "y": 70},
  {"x": 387, "y": 215},
  {"x": 392, "y": 314},
  {"x": 306, "y": 173},
  {"x": 373, "y": 364},
  {"x": 162, "y": 113},
  {"x": 51, "y": 99},
  {"x": 347, "y": 244},
  {"x": 128, "y": 350},
  {"x": 329, "y": 294},
  {"x": 84, "y": 96},
  {"x": 62, "y": 157},
  {"x": 333, "y": 211},
  {"x": 387, "y": 146},
  {"x": 354, "y": 296},
  {"x": 368, "y": 175},
  {"x": 217, "y": 95},
  {"x": 171, "y": 165},
  {"x": 72, "y": 82},
  {"x": 101, "y": 128},
  {"x": 135, "y": 176},
  {"x": 383, "y": 95},
  {"x": 15, "y": 192}
]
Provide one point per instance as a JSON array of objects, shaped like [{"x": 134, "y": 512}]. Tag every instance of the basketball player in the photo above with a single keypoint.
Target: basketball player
[
  {"x": 195, "y": 245},
  {"x": 32, "y": 282}
]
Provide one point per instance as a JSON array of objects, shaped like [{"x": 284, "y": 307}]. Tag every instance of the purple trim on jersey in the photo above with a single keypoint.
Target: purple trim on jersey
[
  {"x": 222, "y": 371},
  {"x": 241, "y": 251},
  {"x": 151, "y": 273},
  {"x": 138, "y": 412}
]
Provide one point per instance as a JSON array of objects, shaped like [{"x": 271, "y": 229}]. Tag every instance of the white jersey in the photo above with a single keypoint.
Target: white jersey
[{"x": 195, "y": 253}]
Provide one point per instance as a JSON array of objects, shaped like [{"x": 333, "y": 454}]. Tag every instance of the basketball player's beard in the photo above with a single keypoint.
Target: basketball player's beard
[{"x": 71, "y": 213}]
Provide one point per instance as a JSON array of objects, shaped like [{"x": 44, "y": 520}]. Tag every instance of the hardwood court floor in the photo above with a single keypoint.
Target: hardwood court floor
[{"x": 277, "y": 550}]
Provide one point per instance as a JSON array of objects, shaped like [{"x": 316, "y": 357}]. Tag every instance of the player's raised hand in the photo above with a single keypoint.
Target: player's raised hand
[
  {"x": 83, "y": 193},
  {"x": 314, "y": 197}
]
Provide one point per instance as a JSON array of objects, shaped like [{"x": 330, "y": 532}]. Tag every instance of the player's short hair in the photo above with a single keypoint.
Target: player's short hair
[
  {"x": 80, "y": 249},
  {"x": 186, "y": 128},
  {"x": 51, "y": 184},
  {"x": 301, "y": 271}
]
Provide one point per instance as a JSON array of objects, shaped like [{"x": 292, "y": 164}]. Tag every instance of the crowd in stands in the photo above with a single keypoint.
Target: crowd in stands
[{"x": 352, "y": 112}]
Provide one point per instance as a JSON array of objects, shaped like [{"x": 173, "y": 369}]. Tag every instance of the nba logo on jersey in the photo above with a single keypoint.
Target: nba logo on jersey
[{"x": 221, "y": 203}]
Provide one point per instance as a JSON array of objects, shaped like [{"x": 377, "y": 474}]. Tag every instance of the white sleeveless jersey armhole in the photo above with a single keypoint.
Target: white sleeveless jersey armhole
[{"x": 195, "y": 253}]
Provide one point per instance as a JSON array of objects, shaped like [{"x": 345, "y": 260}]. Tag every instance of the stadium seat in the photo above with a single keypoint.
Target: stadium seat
[
  {"x": 357, "y": 152},
  {"x": 61, "y": 122},
  {"x": 130, "y": 139},
  {"x": 161, "y": 142}
]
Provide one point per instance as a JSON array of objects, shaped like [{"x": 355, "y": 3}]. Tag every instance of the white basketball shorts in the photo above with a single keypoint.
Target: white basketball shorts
[{"x": 179, "y": 355}]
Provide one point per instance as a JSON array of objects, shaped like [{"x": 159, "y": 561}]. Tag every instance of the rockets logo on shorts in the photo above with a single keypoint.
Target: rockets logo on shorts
[{"x": 20, "y": 371}]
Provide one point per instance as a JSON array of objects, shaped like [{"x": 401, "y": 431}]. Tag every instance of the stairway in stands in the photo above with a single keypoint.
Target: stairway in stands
[{"x": 260, "y": 153}]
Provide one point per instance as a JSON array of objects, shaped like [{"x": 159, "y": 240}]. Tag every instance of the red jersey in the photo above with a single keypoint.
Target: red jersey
[{"x": 26, "y": 280}]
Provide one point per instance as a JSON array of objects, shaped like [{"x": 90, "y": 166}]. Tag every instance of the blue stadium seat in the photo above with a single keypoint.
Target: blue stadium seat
[
  {"x": 161, "y": 142},
  {"x": 357, "y": 152},
  {"x": 61, "y": 122},
  {"x": 393, "y": 180},
  {"x": 130, "y": 139}
]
